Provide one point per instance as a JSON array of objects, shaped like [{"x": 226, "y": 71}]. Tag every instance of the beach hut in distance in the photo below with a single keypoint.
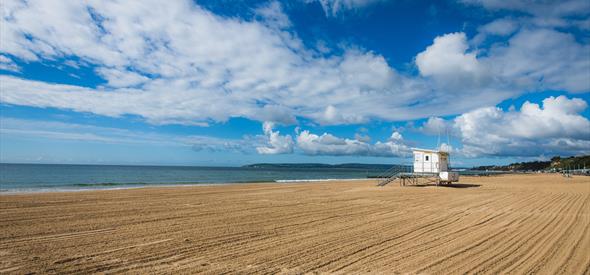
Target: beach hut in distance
[{"x": 427, "y": 166}]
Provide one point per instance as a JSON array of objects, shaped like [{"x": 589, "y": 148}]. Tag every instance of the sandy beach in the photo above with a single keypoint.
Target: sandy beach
[{"x": 502, "y": 224}]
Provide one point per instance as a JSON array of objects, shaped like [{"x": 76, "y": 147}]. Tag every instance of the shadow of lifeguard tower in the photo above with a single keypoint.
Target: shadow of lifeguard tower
[{"x": 428, "y": 166}]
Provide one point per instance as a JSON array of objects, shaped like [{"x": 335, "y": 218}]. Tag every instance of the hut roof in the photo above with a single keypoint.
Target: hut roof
[{"x": 430, "y": 151}]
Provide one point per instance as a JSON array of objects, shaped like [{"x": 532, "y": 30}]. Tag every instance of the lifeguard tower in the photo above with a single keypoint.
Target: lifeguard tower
[{"x": 428, "y": 166}]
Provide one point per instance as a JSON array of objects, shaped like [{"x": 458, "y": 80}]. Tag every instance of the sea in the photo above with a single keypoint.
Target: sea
[
  {"x": 18, "y": 178},
  {"x": 64, "y": 177}
]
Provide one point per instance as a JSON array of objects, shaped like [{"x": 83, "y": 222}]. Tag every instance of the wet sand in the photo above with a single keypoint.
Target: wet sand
[{"x": 502, "y": 224}]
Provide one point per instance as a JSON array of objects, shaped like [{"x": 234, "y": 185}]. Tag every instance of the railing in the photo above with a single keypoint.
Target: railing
[{"x": 393, "y": 173}]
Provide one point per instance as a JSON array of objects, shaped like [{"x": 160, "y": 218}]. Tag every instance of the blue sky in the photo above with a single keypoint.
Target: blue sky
[{"x": 238, "y": 82}]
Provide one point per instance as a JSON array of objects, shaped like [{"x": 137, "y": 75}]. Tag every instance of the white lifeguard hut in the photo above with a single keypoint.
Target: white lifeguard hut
[
  {"x": 428, "y": 166},
  {"x": 434, "y": 163}
]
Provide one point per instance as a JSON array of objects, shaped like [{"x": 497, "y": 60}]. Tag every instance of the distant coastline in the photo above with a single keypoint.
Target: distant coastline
[
  {"x": 323, "y": 165},
  {"x": 579, "y": 164}
]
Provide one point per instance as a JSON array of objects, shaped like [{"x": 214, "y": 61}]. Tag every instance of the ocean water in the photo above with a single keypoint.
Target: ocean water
[{"x": 62, "y": 177}]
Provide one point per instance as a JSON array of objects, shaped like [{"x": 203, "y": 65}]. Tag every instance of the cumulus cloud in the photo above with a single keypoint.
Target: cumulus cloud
[
  {"x": 448, "y": 61},
  {"x": 447, "y": 56},
  {"x": 277, "y": 144},
  {"x": 532, "y": 59},
  {"x": 541, "y": 59},
  {"x": 555, "y": 127},
  {"x": 435, "y": 126},
  {"x": 328, "y": 144}
]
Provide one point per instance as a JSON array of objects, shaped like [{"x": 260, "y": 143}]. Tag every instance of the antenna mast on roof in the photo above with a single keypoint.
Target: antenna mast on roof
[
  {"x": 448, "y": 148},
  {"x": 438, "y": 140},
  {"x": 448, "y": 140}
]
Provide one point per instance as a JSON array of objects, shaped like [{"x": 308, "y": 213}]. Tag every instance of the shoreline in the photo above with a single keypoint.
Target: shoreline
[
  {"x": 85, "y": 187},
  {"x": 100, "y": 187}
]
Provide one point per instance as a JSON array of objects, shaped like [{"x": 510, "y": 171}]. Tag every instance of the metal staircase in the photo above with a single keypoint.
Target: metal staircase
[{"x": 393, "y": 173}]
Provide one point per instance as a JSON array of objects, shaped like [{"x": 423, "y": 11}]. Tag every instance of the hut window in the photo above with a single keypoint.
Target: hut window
[{"x": 426, "y": 158}]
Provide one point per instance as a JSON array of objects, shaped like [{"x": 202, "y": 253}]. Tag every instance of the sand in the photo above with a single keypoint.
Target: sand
[{"x": 502, "y": 224}]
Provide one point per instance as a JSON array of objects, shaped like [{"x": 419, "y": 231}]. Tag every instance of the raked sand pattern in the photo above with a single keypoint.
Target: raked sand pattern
[{"x": 504, "y": 224}]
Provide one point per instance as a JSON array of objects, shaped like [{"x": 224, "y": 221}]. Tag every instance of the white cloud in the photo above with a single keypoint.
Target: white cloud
[
  {"x": 117, "y": 77},
  {"x": 556, "y": 8},
  {"x": 273, "y": 14},
  {"x": 435, "y": 126},
  {"x": 498, "y": 27},
  {"x": 8, "y": 65},
  {"x": 447, "y": 55},
  {"x": 444, "y": 147},
  {"x": 556, "y": 127},
  {"x": 541, "y": 59},
  {"x": 396, "y": 136},
  {"x": 277, "y": 144},
  {"x": 532, "y": 60},
  {"x": 501, "y": 27},
  {"x": 362, "y": 138},
  {"x": 552, "y": 13},
  {"x": 448, "y": 61},
  {"x": 334, "y": 8},
  {"x": 54, "y": 130},
  {"x": 328, "y": 144}
]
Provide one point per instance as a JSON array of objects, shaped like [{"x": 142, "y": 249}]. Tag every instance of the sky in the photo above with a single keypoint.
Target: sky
[{"x": 227, "y": 83}]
